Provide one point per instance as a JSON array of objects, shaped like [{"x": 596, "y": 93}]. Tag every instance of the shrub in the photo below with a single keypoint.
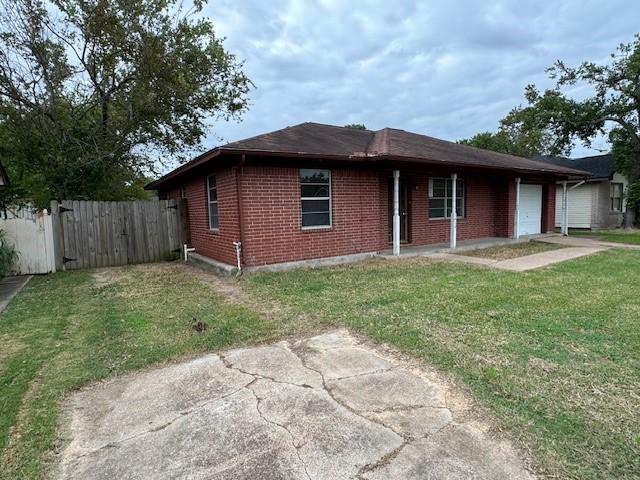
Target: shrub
[{"x": 8, "y": 254}]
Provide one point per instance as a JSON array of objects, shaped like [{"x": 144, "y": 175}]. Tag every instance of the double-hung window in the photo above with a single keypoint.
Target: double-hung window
[
  {"x": 212, "y": 201},
  {"x": 616, "y": 197},
  {"x": 315, "y": 198},
  {"x": 441, "y": 197}
]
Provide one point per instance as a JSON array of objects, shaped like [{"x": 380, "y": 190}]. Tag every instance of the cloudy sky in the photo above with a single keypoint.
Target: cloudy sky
[{"x": 449, "y": 69}]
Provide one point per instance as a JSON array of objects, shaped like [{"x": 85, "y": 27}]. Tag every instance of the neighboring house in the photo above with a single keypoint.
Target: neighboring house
[
  {"x": 598, "y": 202},
  {"x": 314, "y": 191}
]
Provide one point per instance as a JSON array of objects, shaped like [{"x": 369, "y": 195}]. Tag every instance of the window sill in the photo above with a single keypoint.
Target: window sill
[
  {"x": 460, "y": 219},
  {"x": 214, "y": 231},
  {"x": 316, "y": 229}
]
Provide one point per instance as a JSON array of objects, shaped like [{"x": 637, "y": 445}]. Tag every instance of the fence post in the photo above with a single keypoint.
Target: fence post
[{"x": 58, "y": 236}]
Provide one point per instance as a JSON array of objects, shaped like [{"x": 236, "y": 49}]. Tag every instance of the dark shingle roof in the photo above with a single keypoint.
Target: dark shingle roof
[
  {"x": 600, "y": 166},
  {"x": 318, "y": 140}
]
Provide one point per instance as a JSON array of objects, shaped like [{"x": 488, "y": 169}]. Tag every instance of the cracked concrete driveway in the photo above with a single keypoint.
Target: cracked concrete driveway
[{"x": 327, "y": 407}]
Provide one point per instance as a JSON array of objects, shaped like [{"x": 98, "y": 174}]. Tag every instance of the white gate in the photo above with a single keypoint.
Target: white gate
[{"x": 31, "y": 233}]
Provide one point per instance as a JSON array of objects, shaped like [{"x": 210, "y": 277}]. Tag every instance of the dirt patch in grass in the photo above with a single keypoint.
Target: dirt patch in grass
[{"x": 516, "y": 250}]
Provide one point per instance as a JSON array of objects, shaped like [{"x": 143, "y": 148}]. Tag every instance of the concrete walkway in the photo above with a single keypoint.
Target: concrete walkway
[
  {"x": 586, "y": 242},
  {"x": 9, "y": 288},
  {"x": 328, "y": 407},
  {"x": 527, "y": 262}
]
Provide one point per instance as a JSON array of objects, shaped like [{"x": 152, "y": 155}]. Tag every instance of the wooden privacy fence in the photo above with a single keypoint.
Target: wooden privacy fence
[{"x": 91, "y": 234}]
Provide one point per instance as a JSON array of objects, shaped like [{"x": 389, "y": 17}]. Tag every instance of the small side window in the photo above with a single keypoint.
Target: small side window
[
  {"x": 616, "y": 190},
  {"x": 212, "y": 196},
  {"x": 183, "y": 191}
]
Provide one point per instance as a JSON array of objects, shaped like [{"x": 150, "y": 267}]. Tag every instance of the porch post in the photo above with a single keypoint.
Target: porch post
[
  {"x": 396, "y": 212},
  {"x": 516, "y": 221},
  {"x": 564, "y": 224},
  {"x": 453, "y": 237}
]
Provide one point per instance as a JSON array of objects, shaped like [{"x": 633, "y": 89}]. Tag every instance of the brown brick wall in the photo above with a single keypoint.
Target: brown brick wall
[{"x": 271, "y": 217}]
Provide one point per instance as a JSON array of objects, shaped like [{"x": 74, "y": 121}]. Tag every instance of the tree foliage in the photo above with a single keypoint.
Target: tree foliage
[
  {"x": 97, "y": 94},
  {"x": 356, "y": 126}
]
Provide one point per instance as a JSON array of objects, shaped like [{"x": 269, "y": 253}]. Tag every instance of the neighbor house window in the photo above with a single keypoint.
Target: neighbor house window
[
  {"x": 616, "y": 197},
  {"x": 440, "y": 198},
  {"x": 212, "y": 197},
  {"x": 183, "y": 191},
  {"x": 315, "y": 197}
]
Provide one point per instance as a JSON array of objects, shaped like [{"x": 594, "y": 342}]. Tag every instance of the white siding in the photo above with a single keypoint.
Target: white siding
[{"x": 580, "y": 206}]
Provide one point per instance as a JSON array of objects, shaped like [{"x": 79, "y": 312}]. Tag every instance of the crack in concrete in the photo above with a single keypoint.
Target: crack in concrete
[
  {"x": 168, "y": 423},
  {"x": 228, "y": 364},
  {"x": 384, "y": 460},
  {"x": 374, "y": 372},
  {"x": 284, "y": 427}
]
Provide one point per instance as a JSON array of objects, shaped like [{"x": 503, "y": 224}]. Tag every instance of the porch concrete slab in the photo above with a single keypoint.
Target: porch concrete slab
[
  {"x": 276, "y": 416},
  {"x": 543, "y": 259},
  {"x": 9, "y": 288},
  {"x": 464, "y": 245}
]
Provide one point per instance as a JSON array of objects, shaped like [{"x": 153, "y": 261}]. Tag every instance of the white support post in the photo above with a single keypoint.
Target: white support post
[
  {"x": 516, "y": 220},
  {"x": 396, "y": 212},
  {"x": 453, "y": 237},
  {"x": 564, "y": 225}
]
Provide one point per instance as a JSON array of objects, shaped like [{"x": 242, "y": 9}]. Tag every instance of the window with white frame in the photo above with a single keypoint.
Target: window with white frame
[
  {"x": 212, "y": 198},
  {"x": 183, "y": 191},
  {"x": 315, "y": 198},
  {"x": 616, "y": 190},
  {"x": 441, "y": 197}
]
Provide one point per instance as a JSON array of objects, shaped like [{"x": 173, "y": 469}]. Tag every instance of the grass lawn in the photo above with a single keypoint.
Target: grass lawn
[
  {"x": 617, "y": 236},
  {"x": 579, "y": 414},
  {"x": 506, "y": 252},
  {"x": 62, "y": 331},
  {"x": 554, "y": 353}
]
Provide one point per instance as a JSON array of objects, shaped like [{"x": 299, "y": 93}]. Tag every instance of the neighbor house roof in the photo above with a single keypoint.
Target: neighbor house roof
[
  {"x": 314, "y": 140},
  {"x": 599, "y": 166}
]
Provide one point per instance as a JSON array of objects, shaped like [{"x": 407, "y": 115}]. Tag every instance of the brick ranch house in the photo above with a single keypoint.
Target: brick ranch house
[{"x": 316, "y": 191}]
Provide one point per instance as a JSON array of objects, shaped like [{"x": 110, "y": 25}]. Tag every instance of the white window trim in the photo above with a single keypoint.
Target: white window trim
[
  {"x": 209, "y": 202},
  {"x": 611, "y": 197},
  {"x": 316, "y": 227},
  {"x": 463, "y": 197}
]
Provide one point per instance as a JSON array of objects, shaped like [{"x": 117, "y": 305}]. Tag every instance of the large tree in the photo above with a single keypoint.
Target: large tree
[
  {"x": 96, "y": 94},
  {"x": 610, "y": 108}
]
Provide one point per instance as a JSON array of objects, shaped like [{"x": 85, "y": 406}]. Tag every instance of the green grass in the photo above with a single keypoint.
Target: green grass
[
  {"x": 580, "y": 419},
  {"x": 506, "y": 252},
  {"x": 617, "y": 236},
  {"x": 62, "y": 331}
]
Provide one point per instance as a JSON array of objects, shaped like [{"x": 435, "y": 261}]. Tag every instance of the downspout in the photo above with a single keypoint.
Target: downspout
[{"x": 238, "y": 244}]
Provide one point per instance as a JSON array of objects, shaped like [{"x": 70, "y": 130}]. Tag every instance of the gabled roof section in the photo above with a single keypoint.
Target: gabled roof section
[
  {"x": 600, "y": 166},
  {"x": 315, "y": 140}
]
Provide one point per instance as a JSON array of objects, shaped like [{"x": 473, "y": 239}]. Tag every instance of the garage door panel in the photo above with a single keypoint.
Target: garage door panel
[{"x": 530, "y": 209}]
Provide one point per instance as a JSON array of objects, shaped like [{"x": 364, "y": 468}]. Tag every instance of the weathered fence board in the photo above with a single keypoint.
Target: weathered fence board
[{"x": 102, "y": 234}]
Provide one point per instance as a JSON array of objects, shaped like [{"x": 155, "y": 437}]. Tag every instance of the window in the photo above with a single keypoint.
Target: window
[
  {"x": 183, "y": 191},
  {"x": 616, "y": 197},
  {"x": 212, "y": 196},
  {"x": 315, "y": 197},
  {"x": 440, "y": 200}
]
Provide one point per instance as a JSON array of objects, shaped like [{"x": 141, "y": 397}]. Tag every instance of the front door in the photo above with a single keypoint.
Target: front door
[{"x": 404, "y": 211}]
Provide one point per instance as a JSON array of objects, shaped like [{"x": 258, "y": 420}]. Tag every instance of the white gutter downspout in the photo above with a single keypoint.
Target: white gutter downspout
[
  {"x": 453, "y": 236},
  {"x": 238, "y": 246},
  {"x": 396, "y": 212},
  {"x": 516, "y": 223},
  {"x": 185, "y": 252}
]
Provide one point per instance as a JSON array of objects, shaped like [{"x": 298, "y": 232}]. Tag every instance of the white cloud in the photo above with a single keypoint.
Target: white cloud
[{"x": 447, "y": 69}]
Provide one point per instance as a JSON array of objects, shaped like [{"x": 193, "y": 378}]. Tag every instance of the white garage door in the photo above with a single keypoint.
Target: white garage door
[{"x": 530, "y": 209}]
